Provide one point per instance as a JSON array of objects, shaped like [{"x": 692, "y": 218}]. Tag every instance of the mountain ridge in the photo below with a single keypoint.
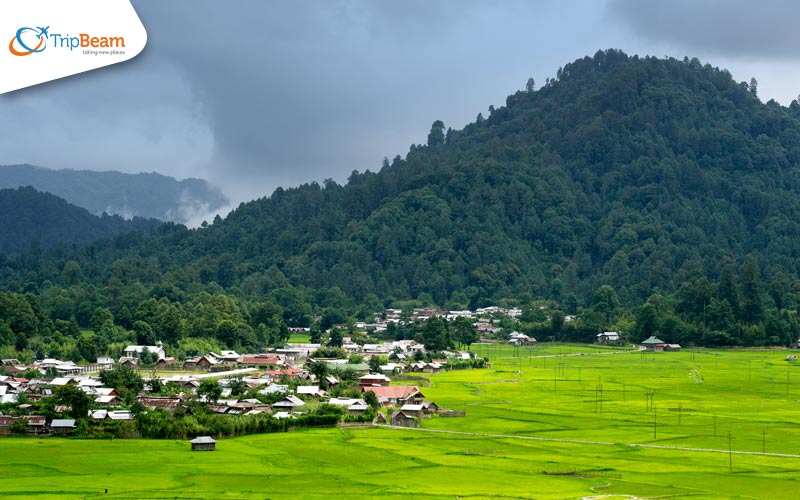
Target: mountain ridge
[
  {"x": 43, "y": 220},
  {"x": 146, "y": 194}
]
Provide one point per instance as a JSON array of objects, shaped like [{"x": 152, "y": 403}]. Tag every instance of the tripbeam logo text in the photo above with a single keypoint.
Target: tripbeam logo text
[{"x": 29, "y": 41}]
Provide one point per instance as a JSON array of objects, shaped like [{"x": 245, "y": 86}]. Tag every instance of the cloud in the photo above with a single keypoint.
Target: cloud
[
  {"x": 731, "y": 28},
  {"x": 300, "y": 91}
]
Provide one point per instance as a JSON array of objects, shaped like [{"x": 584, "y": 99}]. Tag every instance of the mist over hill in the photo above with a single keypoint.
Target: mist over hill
[
  {"x": 29, "y": 216},
  {"x": 148, "y": 195}
]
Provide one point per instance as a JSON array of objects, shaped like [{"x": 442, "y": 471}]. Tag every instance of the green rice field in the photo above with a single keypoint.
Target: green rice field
[{"x": 558, "y": 422}]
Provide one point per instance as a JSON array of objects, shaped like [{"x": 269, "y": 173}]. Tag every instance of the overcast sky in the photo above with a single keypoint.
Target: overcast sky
[{"x": 255, "y": 94}]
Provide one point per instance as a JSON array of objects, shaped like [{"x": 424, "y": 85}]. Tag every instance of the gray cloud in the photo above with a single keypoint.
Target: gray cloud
[
  {"x": 732, "y": 28},
  {"x": 307, "y": 90}
]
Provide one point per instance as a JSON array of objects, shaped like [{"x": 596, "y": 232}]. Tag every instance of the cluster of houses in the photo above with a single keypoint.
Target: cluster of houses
[
  {"x": 267, "y": 373},
  {"x": 483, "y": 318},
  {"x": 409, "y": 403}
]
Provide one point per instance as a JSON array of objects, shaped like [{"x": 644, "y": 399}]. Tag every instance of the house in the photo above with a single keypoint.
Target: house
[
  {"x": 98, "y": 414},
  {"x": 105, "y": 363},
  {"x": 414, "y": 410},
  {"x": 231, "y": 357},
  {"x": 672, "y": 347},
  {"x": 207, "y": 361},
  {"x": 652, "y": 344},
  {"x": 136, "y": 351},
  {"x": 392, "y": 368},
  {"x": 61, "y": 381},
  {"x": 429, "y": 407},
  {"x": 608, "y": 338},
  {"x": 129, "y": 361},
  {"x": 169, "y": 362},
  {"x": 36, "y": 423},
  {"x": 289, "y": 403},
  {"x": 107, "y": 401},
  {"x": 373, "y": 379},
  {"x": 380, "y": 418},
  {"x": 153, "y": 402},
  {"x": 120, "y": 415},
  {"x": 354, "y": 406},
  {"x": 310, "y": 390},
  {"x": 260, "y": 360},
  {"x": 204, "y": 443},
  {"x": 274, "y": 388},
  {"x": 6, "y": 421},
  {"x": 432, "y": 367},
  {"x": 396, "y": 395},
  {"x": 516, "y": 338},
  {"x": 421, "y": 366},
  {"x": 282, "y": 414},
  {"x": 403, "y": 419},
  {"x": 62, "y": 425}
]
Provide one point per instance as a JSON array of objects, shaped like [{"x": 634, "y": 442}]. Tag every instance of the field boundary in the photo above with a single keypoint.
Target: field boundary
[{"x": 599, "y": 443}]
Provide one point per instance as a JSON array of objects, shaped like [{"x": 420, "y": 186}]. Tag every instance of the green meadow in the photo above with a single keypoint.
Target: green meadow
[{"x": 548, "y": 422}]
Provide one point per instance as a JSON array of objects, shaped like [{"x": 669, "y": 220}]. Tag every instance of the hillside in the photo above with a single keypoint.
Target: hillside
[
  {"x": 643, "y": 193},
  {"x": 148, "y": 195},
  {"x": 29, "y": 215},
  {"x": 621, "y": 171}
]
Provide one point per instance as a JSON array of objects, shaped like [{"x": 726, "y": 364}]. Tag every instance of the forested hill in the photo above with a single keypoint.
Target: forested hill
[
  {"x": 148, "y": 195},
  {"x": 29, "y": 216},
  {"x": 639, "y": 173}
]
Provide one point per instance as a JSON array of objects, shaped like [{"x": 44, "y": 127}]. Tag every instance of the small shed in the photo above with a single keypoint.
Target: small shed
[
  {"x": 62, "y": 425},
  {"x": 204, "y": 443},
  {"x": 403, "y": 419}
]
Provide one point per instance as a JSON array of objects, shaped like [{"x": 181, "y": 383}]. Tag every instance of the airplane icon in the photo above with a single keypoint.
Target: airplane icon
[{"x": 43, "y": 31}]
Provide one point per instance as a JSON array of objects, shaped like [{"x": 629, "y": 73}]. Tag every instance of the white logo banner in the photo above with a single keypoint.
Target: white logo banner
[{"x": 44, "y": 40}]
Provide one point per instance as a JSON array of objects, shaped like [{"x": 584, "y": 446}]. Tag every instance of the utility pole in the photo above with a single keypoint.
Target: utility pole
[
  {"x": 763, "y": 441},
  {"x": 787, "y": 382},
  {"x": 730, "y": 452},
  {"x": 555, "y": 373},
  {"x": 655, "y": 426}
]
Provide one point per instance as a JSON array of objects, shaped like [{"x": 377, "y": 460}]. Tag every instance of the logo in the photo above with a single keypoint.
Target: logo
[
  {"x": 29, "y": 41},
  {"x": 52, "y": 39}
]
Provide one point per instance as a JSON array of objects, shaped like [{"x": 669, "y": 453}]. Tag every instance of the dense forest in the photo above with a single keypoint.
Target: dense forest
[
  {"x": 148, "y": 195},
  {"x": 29, "y": 216},
  {"x": 655, "y": 196}
]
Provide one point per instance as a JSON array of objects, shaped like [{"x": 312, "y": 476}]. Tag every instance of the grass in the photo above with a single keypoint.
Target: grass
[{"x": 518, "y": 440}]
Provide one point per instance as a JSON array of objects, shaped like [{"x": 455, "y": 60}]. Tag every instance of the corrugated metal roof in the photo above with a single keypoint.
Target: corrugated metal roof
[{"x": 203, "y": 440}]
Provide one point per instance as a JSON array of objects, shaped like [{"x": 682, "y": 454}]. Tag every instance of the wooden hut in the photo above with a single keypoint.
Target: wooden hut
[{"x": 204, "y": 443}]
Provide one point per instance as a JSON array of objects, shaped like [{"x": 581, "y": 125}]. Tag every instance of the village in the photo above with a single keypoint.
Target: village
[{"x": 377, "y": 382}]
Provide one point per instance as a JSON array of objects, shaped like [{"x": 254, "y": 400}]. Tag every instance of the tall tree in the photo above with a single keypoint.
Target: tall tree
[
  {"x": 752, "y": 304},
  {"x": 436, "y": 135},
  {"x": 727, "y": 288}
]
